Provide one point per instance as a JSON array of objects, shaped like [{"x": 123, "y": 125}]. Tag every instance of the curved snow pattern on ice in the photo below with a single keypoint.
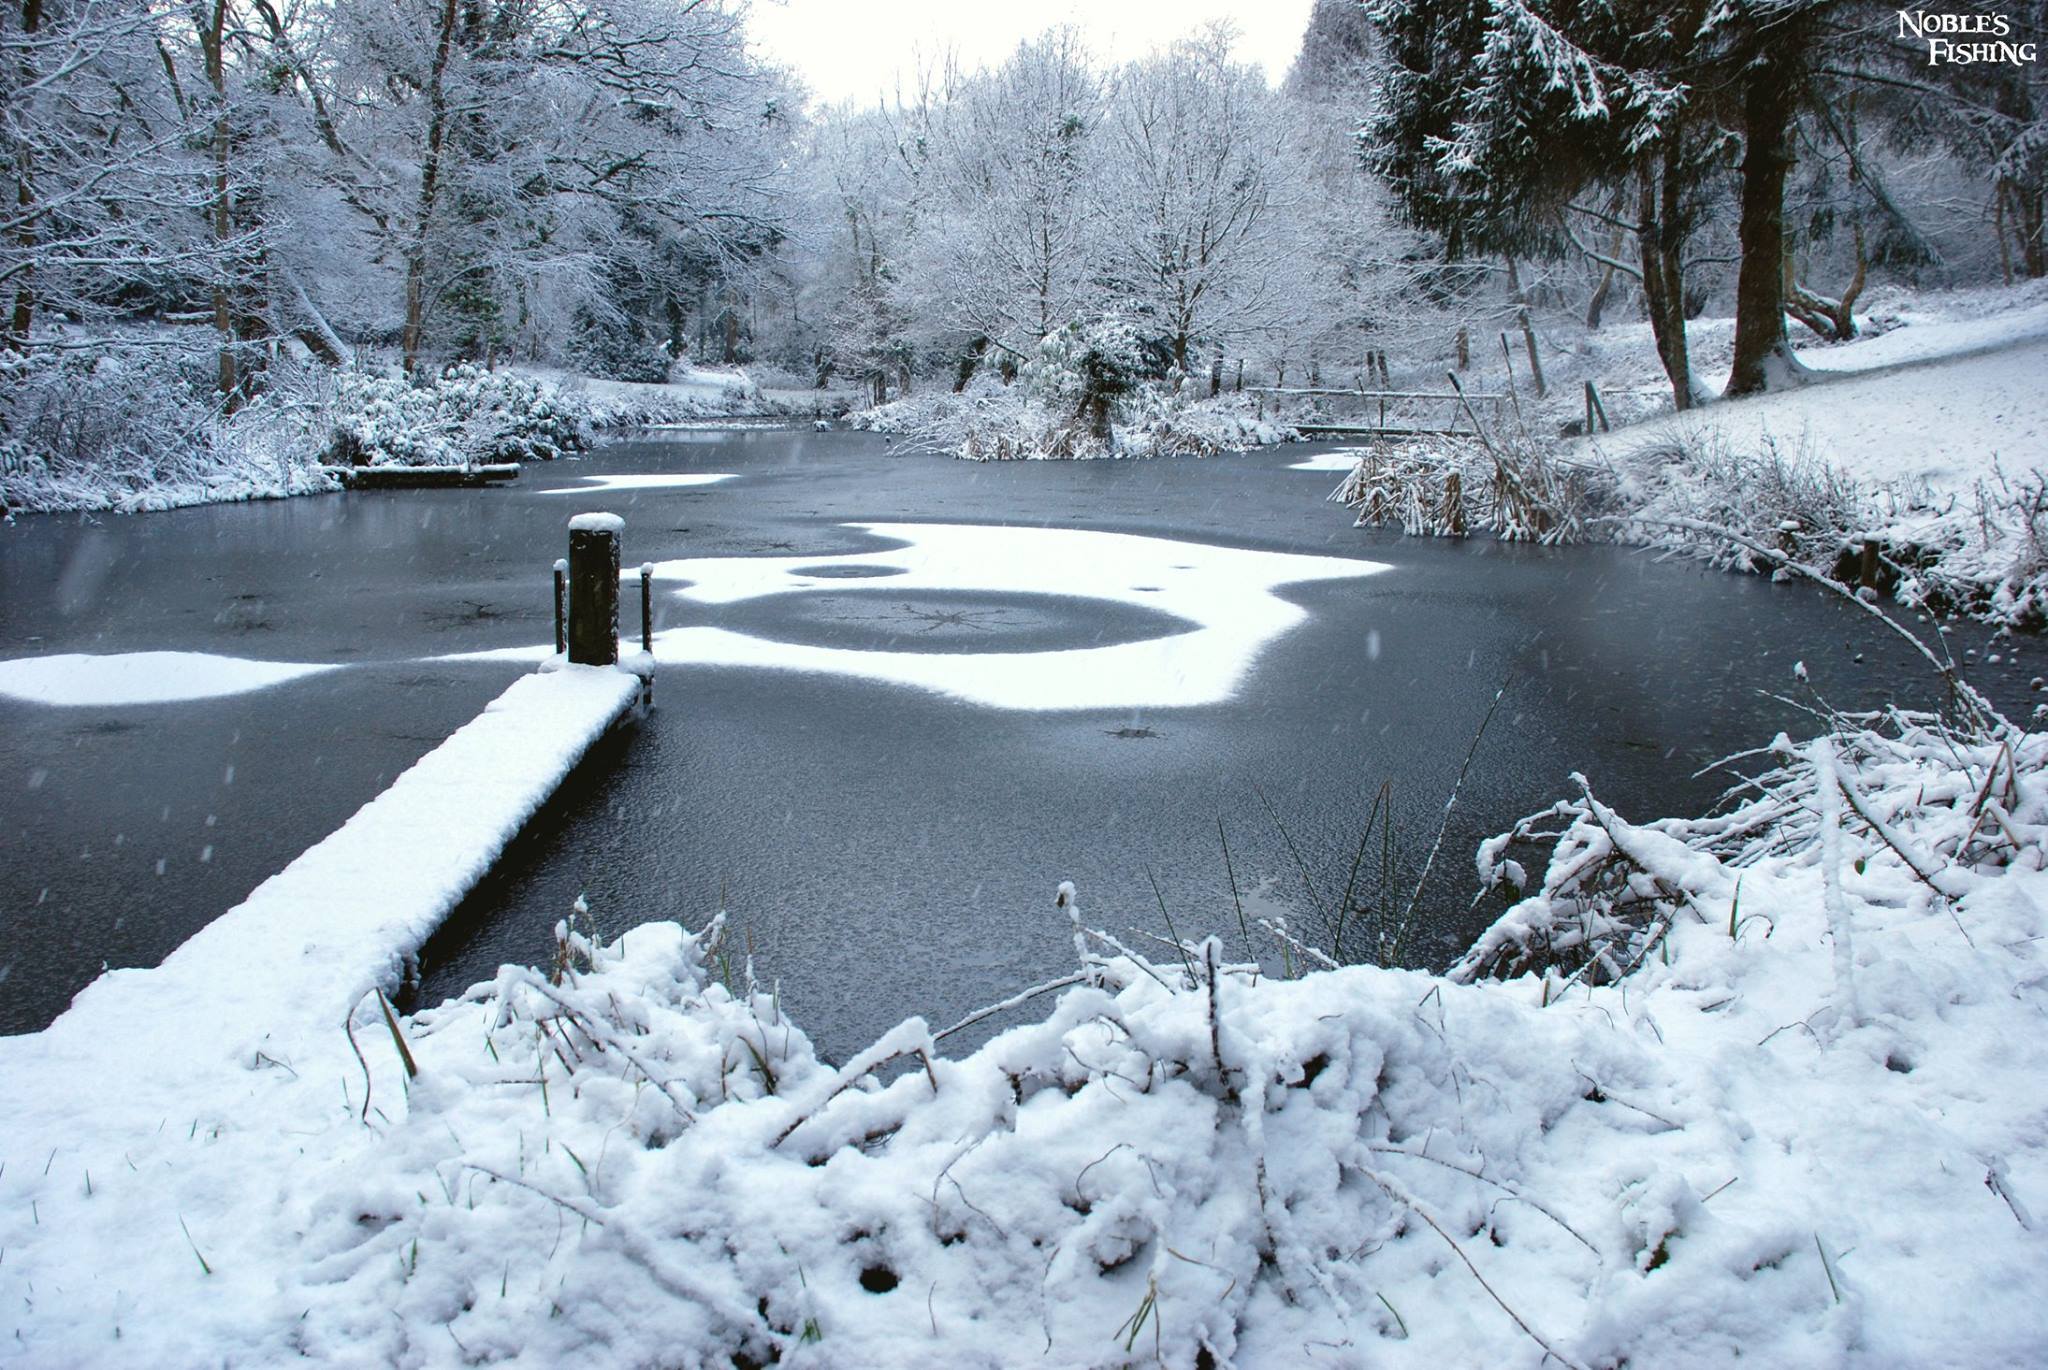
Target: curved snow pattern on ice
[
  {"x": 1227, "y": 592},
  {"x": 84, "y": 681}
]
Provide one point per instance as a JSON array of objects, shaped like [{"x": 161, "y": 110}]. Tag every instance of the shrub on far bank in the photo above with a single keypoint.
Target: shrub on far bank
[{"x": 466, "y": 414}]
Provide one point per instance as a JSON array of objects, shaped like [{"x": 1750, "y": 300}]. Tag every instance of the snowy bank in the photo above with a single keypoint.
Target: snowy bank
[
  {"x": 129, "y": 434},
  {"x": 1926, "y": 444},
  {"x": 1757, "y": 1080},
  {"x": 168, "y": 1099}
]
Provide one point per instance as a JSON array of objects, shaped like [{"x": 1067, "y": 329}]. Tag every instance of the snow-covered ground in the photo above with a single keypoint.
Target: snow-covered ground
[
  {"x": 1928, "y": 436},
  {"x": 1936, "y": 400},
  {"x": 280, "y": 445},
  {"x": 1807, "y": 1128},
  {"x": 182, "y": 1105}
]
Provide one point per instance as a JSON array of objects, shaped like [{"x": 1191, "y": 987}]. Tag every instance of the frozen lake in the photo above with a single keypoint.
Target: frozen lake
[{"x": 901, "y": 698}]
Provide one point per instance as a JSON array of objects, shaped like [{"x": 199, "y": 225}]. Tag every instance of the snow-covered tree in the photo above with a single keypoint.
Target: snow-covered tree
[
  {"x": 1006, "y": 241},
  {"x": 1202, "y": 178}
]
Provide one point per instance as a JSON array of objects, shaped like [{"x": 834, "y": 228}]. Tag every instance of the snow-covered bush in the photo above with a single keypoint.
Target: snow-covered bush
[
  {"x": 689, "y": 395},
  {"x": 465, "y": 415},
  {"x": 1776, "y": 508},
  {"x": 611, "y": 348},
  {"x": 1088, "y": 363},
  {"x": 1164, "y": 423},
  {"x": 1090, "y": 391},
  {"x": 1516, "y": 487},
  {"x": 137, "y": 427}
]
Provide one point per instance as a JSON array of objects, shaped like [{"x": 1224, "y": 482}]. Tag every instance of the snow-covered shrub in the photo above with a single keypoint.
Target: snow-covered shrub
[
  {"x": 614, "y": 349},
  {"x": 1084, "y": 394},
  {"x": 1517, "y": 487},
  {"x": 986, "y": 422},
  {"x": 688, "y": 395},
  {"x": 1949, "y": 797},
  {"x": 1779, "y": 493},
  {"x": 1164, "y": 423},
  {"x": 1985, "y": 556},
  {"x": 1088, "y": 363},
  {"x": 138, "y": 427},
  {"x": 465, "y": 415},
  {"x": 1188, "y": 1160}
]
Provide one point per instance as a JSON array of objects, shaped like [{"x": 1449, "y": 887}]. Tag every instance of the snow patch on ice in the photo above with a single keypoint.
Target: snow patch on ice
[
  {"x": 606, "y": 484},
  {"x": 83, "y": 680},
  {"x": 1228, "y": 592},
  {"x": 1343, "y": 459}
]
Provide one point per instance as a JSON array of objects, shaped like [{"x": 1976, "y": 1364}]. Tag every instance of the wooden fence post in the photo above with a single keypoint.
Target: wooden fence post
[
  {"x": 561, "y": 606},
  {"x": 594, "y": 589}
]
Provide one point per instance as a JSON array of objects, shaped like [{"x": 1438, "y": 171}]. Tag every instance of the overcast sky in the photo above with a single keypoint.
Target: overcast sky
[{"x": 854, "y": 49}]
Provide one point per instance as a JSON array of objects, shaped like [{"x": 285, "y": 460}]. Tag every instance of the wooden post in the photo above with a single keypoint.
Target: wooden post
[
  {"x": 1869, "y": 567},
  {"x": 1588, "y": 429},
  {"x": 561, "y": 608},
  {"x": 594, "y": 589},
  {"x": 647, "y": 607},
  {"x": 1508, "y": 355},
  {"x": 1240, "y": 375},
  {"x": 1464, "y": 349}
]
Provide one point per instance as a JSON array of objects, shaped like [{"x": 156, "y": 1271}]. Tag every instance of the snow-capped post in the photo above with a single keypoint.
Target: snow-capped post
[
  {"x": 561, "y": 593},
  {"x": 594, "y": 589}
]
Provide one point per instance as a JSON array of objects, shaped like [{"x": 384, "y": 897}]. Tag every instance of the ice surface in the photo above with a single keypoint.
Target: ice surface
[{"x": 1228, "y": 592}]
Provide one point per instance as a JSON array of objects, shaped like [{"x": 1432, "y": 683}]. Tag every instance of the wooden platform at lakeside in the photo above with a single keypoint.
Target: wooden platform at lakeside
[{"x": 423, "y": 477}]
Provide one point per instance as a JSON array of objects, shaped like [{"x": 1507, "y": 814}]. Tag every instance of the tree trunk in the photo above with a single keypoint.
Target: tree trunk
[
  {"x": 1597, "y": 306},
  {"x": 210, "y": 27},
  {"x": 430, "y": 188},
  {"x": 2031, "y": 219},
  {"x": 1760, "y": 283},
  {"x": 24, "y": 313},
  {"x": 1998, "y": 231},
  {"x": 1662, "y": 250},
  {"x": 970, "y": 362}
]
